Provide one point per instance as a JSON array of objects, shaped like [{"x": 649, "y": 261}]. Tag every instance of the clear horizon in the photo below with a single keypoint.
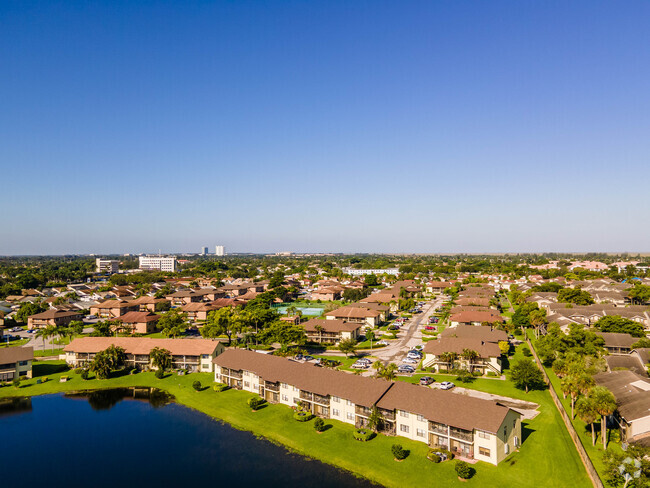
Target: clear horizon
[{"x": 372, "y": 127}]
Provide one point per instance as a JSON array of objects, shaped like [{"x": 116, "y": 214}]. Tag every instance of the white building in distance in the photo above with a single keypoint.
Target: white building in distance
[
  {"x": 204, "y": 250},
  {"x": 219, "y": 251},
  {"x": 158, "y": 263},
  {"x": 361, "y": 272},
  {"x": 106, "y": 265}
]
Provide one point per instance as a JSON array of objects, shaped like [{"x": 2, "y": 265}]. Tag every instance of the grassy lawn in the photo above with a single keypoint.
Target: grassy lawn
[
  {"x": 48, "y": 352},
  {"x": 16, "y": 343},
  {"x": 546, "y": 459}
]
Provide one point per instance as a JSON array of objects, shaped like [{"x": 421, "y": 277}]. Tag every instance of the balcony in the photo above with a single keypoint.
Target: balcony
[
  {"x": 323, "y": 400},
  {"x": 231, "y": 372},
  {"x": 387, "y": 414},
  {"x": 465, "y": 435},
  {"x": 305, "y": 395},
  {"x": 438, "y": 428},
  {"x": 272, "y": 386},
  {"x": 365, "y": 411}
]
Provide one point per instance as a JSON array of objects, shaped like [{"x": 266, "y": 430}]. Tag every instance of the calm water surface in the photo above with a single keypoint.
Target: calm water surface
[{"x": 111, "y": 439}]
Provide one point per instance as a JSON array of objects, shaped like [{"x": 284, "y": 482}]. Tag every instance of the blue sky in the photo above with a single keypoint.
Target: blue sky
[{"x": 363, "y": 126}]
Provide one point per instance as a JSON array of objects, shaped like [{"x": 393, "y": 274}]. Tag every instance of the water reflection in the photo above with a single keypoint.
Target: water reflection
[
  {"x": 12, "y": 406},
  {"x": 107, "y": 399}
]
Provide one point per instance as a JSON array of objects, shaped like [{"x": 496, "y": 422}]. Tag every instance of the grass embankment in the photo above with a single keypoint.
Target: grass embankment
[
  {"x": 547, "y": 457},
  {"x": 596, "y": 452},
  {"x": 16, "y": 343}
]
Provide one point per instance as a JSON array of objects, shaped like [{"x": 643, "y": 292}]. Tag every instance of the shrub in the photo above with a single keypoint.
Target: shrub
[
  {"x": 196, "y": 385},
  {"x": 84, "y": 374},
  {"x": 255, "y": 403},
  {"x": 16, "y": 382},
  {"x": 219, "y": 387},
  {"x": 526, "y": 351},
  {"x": 432, "y": 456},
  {"x": 399, "y": 452},
  {"x": 319, "y": 425},
  {"x": 438, "y": 454},
  {"x": 463, "y": 470},
  {"x": 302, "y": 416},
  {"x": 78, "y": 370},
  {"x": 362, "y": 434},
  {"x": 491, "y": 373},
  {"x": 159, "y": 374}
]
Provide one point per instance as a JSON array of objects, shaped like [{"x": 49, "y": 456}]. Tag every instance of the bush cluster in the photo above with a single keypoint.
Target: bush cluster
[
  {"x": 255, "y": 403},
  {"x": 362, "y": 434},
  {"x": 219, "y": 387},
  {"x": 197, "y": 385},
  {"x": 437, "y": 454},
  {"x": 319, "y": 425},
  {"x": 463, "y": 470},
  {"x": 302, "y": 416},
  {"x": 399, "y": 452}
]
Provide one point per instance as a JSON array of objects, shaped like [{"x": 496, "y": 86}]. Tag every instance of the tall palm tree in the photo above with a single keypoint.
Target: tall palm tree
[
  {"x": 319, "y": 328},
  {"x": 470, "y": 355},
  {"x": 605, "y": 404},
  {"x": 587, "y": 413}
]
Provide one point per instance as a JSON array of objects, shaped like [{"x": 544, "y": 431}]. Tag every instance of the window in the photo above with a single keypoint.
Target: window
[
  {"x": 247, "y": 384},
  {"x": 336, "y": 399},
  {"x": 246, "y": 373},
  {"x": 283, "y": 385},
  {"x": 420, "y": 433},
  {"x": 336, "y": 412},
  {"x": 285, "y": 398},
  {"x": 404, "y": 428},
  {"x": 505, "y": 431},
  {"x": 22, "y": 363},
  {"x": 483, "y": 435},
  {"x": 404, "y": 414},
  {"x": 205, "y": 366},
  {"x": 506, "y": 448},
  {"x": 483, "y": 451},
  {"x": 348, "y": 402},
  {"x": 205, "y": 356},
  {"x": 350, "y": 416},
  {"x": 421, "y": 418},
  {"x": 514, "y": 424},
  {"x": 296, "y": 389}
]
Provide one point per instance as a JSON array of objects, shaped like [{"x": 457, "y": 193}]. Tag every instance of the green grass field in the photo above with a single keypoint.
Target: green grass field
[{"x": 547, "y": 457}]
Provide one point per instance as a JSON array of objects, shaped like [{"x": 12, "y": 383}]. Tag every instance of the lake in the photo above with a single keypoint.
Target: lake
[{"x": 132, "y": 438}]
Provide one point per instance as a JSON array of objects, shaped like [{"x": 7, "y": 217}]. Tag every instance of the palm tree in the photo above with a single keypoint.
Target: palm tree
[
  {"x": 470, "y": 355},
  {"x": 587, "y": 413},
  {"x": 319, "y": 328},
  {"x": 605, "y": 404},
  {"x": 160, "y": 358},
  {"x": 43, "y": 334},
  {"x": 448, "y": 358}
]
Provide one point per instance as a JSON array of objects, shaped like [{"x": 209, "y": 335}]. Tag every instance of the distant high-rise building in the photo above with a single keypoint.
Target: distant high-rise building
[
  {"x": 204, "y": 250},
  {"x": 219, "y": 251},
  {"x": 106, "y": 266},
  {"x": 158, "y": 263}
]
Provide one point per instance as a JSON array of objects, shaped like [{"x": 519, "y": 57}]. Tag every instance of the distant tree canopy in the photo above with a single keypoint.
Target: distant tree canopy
[
  {"x": 640, "y": 294},
  {"x": 548, "y": 287},
  {"x": 574, "y": 295},
  {"x": 29, "y": 308},
  {"x": 615, "y": 323}
]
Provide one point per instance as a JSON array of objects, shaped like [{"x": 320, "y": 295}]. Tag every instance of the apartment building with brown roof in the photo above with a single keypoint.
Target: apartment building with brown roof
[
  {"x": 52, "y": 317},
  {"x": 331, "y": 331},
  {"x": 474, "y": 428},
  {"x": 194, "y": 355},
  {"x": 16, "y": 362}
]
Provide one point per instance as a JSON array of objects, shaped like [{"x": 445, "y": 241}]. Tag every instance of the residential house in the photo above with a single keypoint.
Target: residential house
[
  {"x": 112, "y": 309},
  {"x": 438, "y": 286},
  {"x": 198, "y": 311},
  {"x": 632, "y": 393},
  {"x": 331, "y": 331},
  {"x": 371, "y": 318},
  {"x": 52, "y": 317},
  {"x": 16, "y": 362},
  {"x": 617, "y": 343},
  {"x": 475, "y": 318},
  {"x": 194, "y": 355},
  {"x": 139, "y": 322}
]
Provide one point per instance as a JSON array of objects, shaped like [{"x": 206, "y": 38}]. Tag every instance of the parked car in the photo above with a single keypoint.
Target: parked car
[
  {"x": 446, "y": 385},
  {"x": 426, "y": 380},
  {"x": 308, "y": 358},
  {"x": 360, "y": 366},
  {"x": 364, "y": 360},
  {"x": 382, "y": 343},
  {"x": 91, "y": 317},
  {"x": 415, "y": 357},
  {"x": 429, "y": 327},
  {"x": 409, "y": 360},
  {"x": 405, "y": 368},
  {"x": 298, "y": 356}
]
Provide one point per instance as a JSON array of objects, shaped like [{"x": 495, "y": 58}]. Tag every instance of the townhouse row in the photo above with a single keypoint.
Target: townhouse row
[{"x": 470, "y": 427}]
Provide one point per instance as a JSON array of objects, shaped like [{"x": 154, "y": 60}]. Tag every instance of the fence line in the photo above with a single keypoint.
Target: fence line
[{"x": 586, "y": 461}]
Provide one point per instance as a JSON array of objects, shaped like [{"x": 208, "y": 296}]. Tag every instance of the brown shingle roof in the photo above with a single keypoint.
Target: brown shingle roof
[
  {"x": 483, "y": 333},
  {"x": 138, "y": 317},
  {"x": 446, "y": 407},
  {"x": 15, "y": 354},
  {"x": 352, "y": 312},
  {"x": 53, "y": 314},
  {"x": 142, "y": 345},
  {"x": 476, "y": 317},
  {"x": 458, "y": 345},
  {"x": 330, "y": 325}
]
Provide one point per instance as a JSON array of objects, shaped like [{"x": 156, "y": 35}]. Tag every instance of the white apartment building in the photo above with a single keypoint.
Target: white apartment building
[
  {"x": 106, "y": 265},
  {"x": 219, "y": 251},
  {"x": 158, "y": 263},
  {"x": 361, "y": 272},
  {"x": 204, "y": 250}
]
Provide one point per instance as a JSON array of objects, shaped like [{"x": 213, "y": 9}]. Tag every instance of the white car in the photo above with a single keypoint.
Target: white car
[
  {"x": 446, "y": 385},
  {"x": 410, "y": 360}
]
